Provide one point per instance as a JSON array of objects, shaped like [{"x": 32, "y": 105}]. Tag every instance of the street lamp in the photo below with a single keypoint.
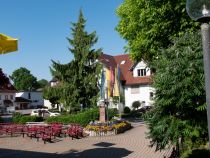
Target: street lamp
[{"x": 199, "y": 10}]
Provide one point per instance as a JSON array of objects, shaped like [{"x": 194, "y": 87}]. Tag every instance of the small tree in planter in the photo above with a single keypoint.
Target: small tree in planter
[{"x": 136, "y": 105}]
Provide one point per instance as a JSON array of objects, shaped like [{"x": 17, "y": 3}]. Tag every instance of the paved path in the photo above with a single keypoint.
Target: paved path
[{"x": 131, "y": 144}]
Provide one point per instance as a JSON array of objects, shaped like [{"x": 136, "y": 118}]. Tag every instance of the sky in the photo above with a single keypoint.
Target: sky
[{"x": 42, "y": 26}]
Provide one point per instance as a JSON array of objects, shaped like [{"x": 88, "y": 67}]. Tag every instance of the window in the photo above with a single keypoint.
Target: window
[
  {"x": 122, "y": 62},
  {"x": 6, "y": 97},
  {"x": 134, "y": 89},
  {"x": 141, "y": 72},
  {"x": 11, "y": 97}
]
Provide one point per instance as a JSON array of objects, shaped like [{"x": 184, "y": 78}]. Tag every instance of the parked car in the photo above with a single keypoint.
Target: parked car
[{"x": 43, "y": 113}]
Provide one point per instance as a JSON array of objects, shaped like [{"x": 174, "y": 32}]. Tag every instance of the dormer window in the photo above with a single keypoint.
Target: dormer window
[
  {"x": 122, "y": 62},
  {"x": 141, "y": 72}
]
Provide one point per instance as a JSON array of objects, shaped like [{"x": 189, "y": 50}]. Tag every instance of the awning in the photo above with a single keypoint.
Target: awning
[{"x": 8, "y": 44}]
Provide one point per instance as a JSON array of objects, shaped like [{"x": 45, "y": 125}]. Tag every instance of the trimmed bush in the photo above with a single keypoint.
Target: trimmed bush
[
  {"x": 196, "y": 153},
  {"x": 18, "y": 118},
  {"x": 136, "y": 104},
  {"x": 83, "y": 118},
  {"x": 112, "y": 112},
  {"x": 127, "y": 110},
  {"x": 1, "y": 120}
]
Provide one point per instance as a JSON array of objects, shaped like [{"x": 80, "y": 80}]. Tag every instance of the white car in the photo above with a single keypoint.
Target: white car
[{"x": 43, "y": 113}]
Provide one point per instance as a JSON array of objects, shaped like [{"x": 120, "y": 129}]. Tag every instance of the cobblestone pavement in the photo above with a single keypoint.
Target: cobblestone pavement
[{"x": 131, "y": 144}]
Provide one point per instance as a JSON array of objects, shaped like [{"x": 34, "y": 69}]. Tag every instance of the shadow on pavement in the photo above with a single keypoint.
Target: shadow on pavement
[{"x": 109, "y": 152}]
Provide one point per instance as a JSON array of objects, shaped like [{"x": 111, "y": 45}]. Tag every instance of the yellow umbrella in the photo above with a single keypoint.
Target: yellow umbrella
[{"x": 8, "y": 44}]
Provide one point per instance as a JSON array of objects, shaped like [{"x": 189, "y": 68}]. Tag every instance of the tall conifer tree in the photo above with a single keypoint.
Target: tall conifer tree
[{"x": 78, "y": 79}]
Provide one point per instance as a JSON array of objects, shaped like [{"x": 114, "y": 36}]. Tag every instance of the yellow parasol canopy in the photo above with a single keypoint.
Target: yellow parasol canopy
[{"x": 7, "y": 44}]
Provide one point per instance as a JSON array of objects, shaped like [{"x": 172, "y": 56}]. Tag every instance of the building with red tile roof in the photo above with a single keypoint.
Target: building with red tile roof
[{"x": 135, "y": 78}]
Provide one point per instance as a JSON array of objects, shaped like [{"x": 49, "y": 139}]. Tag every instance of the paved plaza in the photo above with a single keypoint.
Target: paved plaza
[{"x": 131, "y": 144}]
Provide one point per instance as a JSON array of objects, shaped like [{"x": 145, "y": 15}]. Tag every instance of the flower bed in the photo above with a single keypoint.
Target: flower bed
[{"x": 112, "y": 128}]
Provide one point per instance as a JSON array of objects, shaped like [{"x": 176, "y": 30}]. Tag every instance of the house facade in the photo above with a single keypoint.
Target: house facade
[
  {"x": 7, "y": 99},
  {"x": 127, "y": 79},
  {"x": 29, "y": 99}
]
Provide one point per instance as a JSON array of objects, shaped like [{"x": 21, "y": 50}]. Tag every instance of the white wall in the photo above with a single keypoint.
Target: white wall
[
  {"x": 143, "y": 95},
  {"x": 47, "y": 104}
]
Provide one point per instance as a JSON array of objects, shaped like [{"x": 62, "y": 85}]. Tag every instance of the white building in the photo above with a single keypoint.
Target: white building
[{"x": 29, "y": 99}]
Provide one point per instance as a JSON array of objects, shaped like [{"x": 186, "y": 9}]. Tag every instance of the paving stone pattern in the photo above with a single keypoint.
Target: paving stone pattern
[{"x": 131, "y": 144}]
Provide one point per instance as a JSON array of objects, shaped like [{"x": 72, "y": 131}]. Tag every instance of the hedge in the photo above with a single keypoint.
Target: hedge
[
  {"x": 18, "y": 118},
  {"x": 82, "y": 118}
]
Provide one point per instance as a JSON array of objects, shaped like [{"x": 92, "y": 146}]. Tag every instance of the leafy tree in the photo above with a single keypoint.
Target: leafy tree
[
  {"x": 78, "y": 78},
  {"x": 149, "y": 25},
  {"x": 179, "y": 114},
  {"x": 127, "y": 110},
  {"x": 42, "y": 83},
  {"x": 53, "y": 94},
  {"x": 4, "y": 80},
  {"x": 23, "y": 79}
]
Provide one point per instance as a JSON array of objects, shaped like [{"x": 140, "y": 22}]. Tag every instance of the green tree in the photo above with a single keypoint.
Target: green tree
[
  {"x": 179, "y": 114},
  {"x": 4, "y": 80},
  {"x": 42, "y": 83},
  {"x": 23, "y": 79},
  {"x": 149, "y": 25},
  {"x": 78, "y": 78}
]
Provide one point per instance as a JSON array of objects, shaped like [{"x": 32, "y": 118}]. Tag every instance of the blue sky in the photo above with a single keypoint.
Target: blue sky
[{"x": 43, "y": 25}]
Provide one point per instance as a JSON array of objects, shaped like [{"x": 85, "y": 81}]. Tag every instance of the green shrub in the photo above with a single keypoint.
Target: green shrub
[
  {"x": 127, "y": 110},
  {"x": 136, "y": 104},
  {"x": 112, "y": 112},
  {"x": 82, "y": 118},
  {"x": 1, "y": 120},
  {"x": 18, "y": 118},
  {"x": 196, "y": 153},
  {"x": 136, "y": 114}
]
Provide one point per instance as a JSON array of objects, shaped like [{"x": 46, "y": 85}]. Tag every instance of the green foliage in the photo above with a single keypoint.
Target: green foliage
[
  {"x": 53, "y": 94},
  {"x": 149, "y": 25},
  {"x": 178, "y": 116},
  {"x": 42, "y": 83},
  {"x": 116, "y": 99},
  {"x": 196, "y": 153},
  {"x": 4, "y": 79},
  {"x": 136, "y": 104},
  {"x": 1, "y": 120},
  {"x": 127, "y": 110},
  {"x": 112, "y": 112},
  {"x": 78, "y": 78},
  {"x": 23, "y": 79},
  {"x": 18, "y": 118},
  {"x": 82, "y": 118}
]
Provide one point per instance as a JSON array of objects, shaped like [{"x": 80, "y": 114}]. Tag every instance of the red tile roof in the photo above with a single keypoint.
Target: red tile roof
[{"x": 126, "y": 73}]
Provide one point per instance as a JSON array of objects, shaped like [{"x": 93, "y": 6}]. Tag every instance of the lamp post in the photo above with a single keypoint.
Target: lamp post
[{"x": 199, "y": 10}]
